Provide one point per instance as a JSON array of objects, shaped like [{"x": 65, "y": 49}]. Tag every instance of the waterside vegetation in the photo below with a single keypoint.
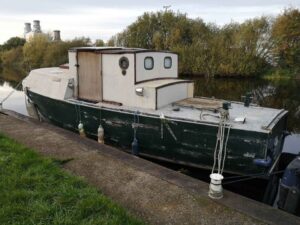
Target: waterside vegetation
[
  {"x": 35, "y": 190},
  {"x": 265, "y": 45}
]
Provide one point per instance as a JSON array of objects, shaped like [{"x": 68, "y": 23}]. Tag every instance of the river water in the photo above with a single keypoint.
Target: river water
[{"x": 276, "y": 94}]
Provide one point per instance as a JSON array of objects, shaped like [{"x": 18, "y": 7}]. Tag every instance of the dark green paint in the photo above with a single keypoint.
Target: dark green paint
[{"x": 194, "y": 145}]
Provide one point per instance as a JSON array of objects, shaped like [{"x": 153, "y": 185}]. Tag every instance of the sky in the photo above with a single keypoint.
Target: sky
[{"x": 100, "y": 19}]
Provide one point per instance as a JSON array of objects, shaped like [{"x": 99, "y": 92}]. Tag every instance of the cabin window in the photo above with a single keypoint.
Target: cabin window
[
  {"x": 168, "y": 62},
  {"x": 148, "y": 63},
  {"x": 124, "y": 63}
]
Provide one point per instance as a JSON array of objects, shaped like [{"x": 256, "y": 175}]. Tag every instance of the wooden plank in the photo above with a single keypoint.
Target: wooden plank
[
  {"x": 200, "y": 103},
  {"x": 90, "y": 81}
]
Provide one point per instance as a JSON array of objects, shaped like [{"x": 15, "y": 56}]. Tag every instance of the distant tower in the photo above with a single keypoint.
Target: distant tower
[
  {"x": 56, "y": 35},
  {"x": 27, "y": 29},
  {"x": 36, "y": 26}
]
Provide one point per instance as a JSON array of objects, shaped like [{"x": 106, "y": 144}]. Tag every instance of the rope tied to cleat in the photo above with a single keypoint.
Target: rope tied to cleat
[{"x": 215, "y": 187}]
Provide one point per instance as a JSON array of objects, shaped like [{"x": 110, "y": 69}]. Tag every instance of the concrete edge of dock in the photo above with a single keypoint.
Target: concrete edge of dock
[{"x": 157, "y": 194}]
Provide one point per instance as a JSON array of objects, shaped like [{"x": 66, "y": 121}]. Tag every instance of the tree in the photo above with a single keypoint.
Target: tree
[
  {"x": 55, "y": 54},
  {"x": 12, "y": 57},
  {"x": 112, "y": 41},
  {"x": 34, "y": 51},
  {"x": 156, "y": 31},
  {"x": 99, "y": 43},
  {"x": 286, "y": 35},
  {"x": 245, "y": 48},
  {"x": 13, "y": 42}
]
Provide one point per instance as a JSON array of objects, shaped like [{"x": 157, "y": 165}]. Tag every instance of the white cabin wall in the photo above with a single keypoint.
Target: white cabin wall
[
  {"x": 147, "y": 100},
  {"x": 72, "y": 63},
  {"x": 158, "y": 70},
  {"x": 120, "y": 88},
  {"x": 73, "y": 70},
  {"x": 172, "y": 93},
  {"x": 190, "y": 93},
  {"x": 116, "y": 86}
]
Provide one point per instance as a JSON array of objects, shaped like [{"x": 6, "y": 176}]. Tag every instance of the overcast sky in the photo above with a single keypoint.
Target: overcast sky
[{"x": 104, "y": 18}]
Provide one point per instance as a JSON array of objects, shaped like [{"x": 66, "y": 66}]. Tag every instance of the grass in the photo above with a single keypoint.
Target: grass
[{"x": 35, "y": 190}]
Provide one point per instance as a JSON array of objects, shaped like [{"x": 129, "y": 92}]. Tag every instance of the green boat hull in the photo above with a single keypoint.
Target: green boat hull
[{"x": 184, "y": 142}]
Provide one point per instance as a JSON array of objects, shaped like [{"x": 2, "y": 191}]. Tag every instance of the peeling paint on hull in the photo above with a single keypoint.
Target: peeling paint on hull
[{"x": 195, "y": 142}]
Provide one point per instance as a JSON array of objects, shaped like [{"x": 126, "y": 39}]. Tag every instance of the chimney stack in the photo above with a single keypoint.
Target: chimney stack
[
  {"x": 56, "y": 35},
  {"x": 27, "y": 28},
  {"x": 36, "y": 26}
]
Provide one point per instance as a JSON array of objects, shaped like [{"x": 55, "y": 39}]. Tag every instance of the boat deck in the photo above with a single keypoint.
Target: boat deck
[{"x": 206, "y": 110}]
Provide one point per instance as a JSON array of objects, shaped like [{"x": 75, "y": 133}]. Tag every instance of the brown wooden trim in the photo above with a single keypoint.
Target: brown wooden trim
[
  {"x": 118, "y": 50},
  {"x": 156, "y": 98},
  {"x": 134, "y": 68},
  {"x": 101, "y": 74},
  {"x": 91, "y": 49},
  {"x": 124, "y": 51},
  {"x": 176, "y": 82},
  {"x": 153, "y": 79},
  {"x": 112, "y": 102},
  {"x": 177, "y": 65},
  {"x": 88, "y": 100},
  {"x": 104, "y": 101},
  {"x": 64, "y": 66},
  {"x": 77, "y": 74}
]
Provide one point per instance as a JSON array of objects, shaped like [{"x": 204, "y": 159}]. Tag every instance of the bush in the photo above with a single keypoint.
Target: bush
[{"x": 12, "y": 57}]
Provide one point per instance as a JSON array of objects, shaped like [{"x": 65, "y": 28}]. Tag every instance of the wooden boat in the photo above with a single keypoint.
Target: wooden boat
[{"x": 136, "y": 96}]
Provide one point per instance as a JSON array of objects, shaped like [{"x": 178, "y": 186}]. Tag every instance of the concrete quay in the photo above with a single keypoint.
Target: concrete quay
[{"x": 156, "y": 194}]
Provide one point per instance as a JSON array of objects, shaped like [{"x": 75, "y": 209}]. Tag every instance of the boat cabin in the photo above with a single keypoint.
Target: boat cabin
[{"x": 127, "y": 76}]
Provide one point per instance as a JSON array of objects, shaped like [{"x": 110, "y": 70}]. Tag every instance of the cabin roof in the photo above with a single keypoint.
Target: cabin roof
[{"x": 113, "y": 50}]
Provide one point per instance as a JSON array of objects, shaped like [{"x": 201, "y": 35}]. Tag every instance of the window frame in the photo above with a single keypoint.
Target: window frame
[
  {"x": 168, "y": 57},
  {"x": 148, "y": 57},
  {"x": 123, "y": 58}
]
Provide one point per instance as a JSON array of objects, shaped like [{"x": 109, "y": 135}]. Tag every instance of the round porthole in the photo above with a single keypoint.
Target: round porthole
[{"x": 124, "y": 63}]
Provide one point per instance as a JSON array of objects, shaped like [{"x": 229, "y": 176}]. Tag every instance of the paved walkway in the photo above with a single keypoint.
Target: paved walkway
[{"x": 154, "y": 193}]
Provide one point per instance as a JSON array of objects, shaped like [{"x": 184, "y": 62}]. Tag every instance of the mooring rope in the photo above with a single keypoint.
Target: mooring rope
[
  {"x": 100, "y": 114},
  {"x": 76, "y": 112},
  {"x": 252, "y": 177},
  {"x": 14, "y": 89},
  {"x": 225, "y": 149},
  {"x": 136, "y": 121},
  {"x": 79, "y": 112},
  {"x": 220, "y": 151}
]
